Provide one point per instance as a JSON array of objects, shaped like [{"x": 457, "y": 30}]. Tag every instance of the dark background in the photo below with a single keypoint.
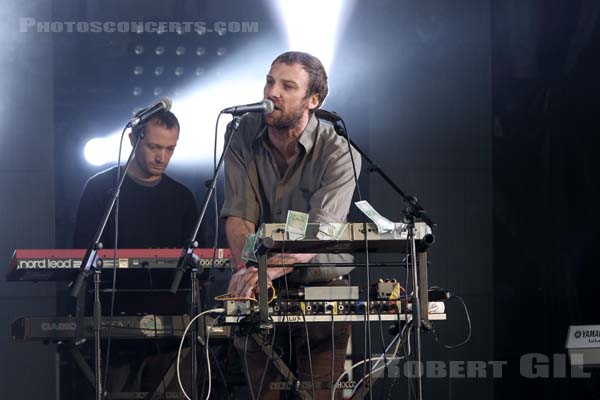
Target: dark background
[{"x": 485, "y": 110}]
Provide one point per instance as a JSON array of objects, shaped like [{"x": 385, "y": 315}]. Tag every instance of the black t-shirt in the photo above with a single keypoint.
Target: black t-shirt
[{"x": 158, "y": 216}]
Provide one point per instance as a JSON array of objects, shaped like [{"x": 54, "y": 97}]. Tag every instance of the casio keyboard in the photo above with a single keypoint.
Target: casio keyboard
[{"x": 150, "y": 326}]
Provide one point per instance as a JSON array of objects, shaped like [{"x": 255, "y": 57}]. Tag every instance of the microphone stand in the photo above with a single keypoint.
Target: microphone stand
[
  {"x": 186, "y": 256},
  {"x": 413, "y": 211},
  {"x": 92, "y": 263}
]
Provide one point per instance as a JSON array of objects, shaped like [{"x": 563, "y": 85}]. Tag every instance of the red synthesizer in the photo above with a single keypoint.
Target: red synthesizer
[{"x": 63, "y": 264}]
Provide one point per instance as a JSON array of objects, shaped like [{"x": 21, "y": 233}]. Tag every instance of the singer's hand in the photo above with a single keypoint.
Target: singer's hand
[{"x": 245, "y": 282}]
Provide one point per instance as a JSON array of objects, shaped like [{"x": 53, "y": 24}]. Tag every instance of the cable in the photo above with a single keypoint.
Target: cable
[
  {"x": 367, "y": 325},
  {"x": 331, "y": 389},
  {"x": 262, "y": 378},
  {"x": 214, "y": 310},
  {"x": 411, "y": 384},
  {"x": 287, "y": 297},
  {"x": 367, "y": 328},
  {"x": 220, "y": 370},
  {"x": 352, "y": 160},
  {"x": 208, "y": 359},
  {"x": 387, "y": 361},
  {"x": 385, "y": 372},
  {"x": 229, "y": 296},
  {"x": 466, "y": 340},
  {"x": 246, "y": 368},
  {"x": 351, "y": 368},
  {"x": 216, "y": 203},
  {"x": 114, "y": 277},
  {"x": 399, "y": 313},
  {"x": 312, "y": 377}
]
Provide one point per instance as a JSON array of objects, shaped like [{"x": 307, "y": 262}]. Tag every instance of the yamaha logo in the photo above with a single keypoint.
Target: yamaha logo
[
  {"x": 577, "y": 334},
  {"x": 591, "y": 333}
]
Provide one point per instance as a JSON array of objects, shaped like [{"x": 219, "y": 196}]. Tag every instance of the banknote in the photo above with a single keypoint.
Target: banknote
[
  {"x": 248, "y": 253},
  {"x": 383, "y": 224},
  {"x": 331, "y": 230},
  {"x": 295, "y": 225}
]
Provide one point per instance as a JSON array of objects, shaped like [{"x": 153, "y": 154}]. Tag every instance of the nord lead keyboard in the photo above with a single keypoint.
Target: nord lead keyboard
[
  {"x": 63, "y": 264},
  {"x": 26, "y": 329},
  {"x": 346, "y": 238}
]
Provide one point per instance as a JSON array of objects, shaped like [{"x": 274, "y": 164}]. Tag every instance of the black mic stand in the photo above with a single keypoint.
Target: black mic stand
[
  {"x": 92, "y": 263},
  {"x": 186, "y": 256},
  {"x": 413, "y": 211}
]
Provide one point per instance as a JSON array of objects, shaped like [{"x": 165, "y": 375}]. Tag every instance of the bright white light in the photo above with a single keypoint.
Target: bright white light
[
  {"x": 100, "y": 151},
  {"x": 241, "y": 82},
  {"x": 312, "y": 26}
]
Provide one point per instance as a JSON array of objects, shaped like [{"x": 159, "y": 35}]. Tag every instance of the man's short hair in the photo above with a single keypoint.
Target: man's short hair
[
  {"x": 165, "y": 119},
  {"x": 317, "y": 77}
]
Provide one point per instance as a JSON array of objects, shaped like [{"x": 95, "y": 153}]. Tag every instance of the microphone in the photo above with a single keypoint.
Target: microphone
[
  {"x": 266, "y": 106},
  {"x": 144, "y": 115},
  {"x": 327, "y": 115}
]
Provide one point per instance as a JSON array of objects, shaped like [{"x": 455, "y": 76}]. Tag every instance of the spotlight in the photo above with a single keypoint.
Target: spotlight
[{"x": 319, "y": 42}]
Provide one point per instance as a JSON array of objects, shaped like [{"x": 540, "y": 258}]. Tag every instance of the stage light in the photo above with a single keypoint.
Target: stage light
[
  {"x": 100, "y": 151},
  {"x": 200, "y": 51},
  {"x": 138, "y": 70},
  {"x": 319, "y": 39},
  {"x": 139, "y": 50},
  {"x": 137, "y": 91},
  {"x": 160, "y": 50},
  {"x": 180, "y": 51},
  {"x": 197, "y": 104},
  {"x": 197, "y": 133}
]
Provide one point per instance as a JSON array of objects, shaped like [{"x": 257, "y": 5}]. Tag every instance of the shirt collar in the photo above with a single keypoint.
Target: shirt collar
[{"x": 307, "y": 137}]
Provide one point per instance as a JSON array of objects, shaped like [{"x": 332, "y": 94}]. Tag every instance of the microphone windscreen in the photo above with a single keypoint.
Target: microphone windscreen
[
  {"x": 166, "y": 103},
  {"x": 269, "y": 106}
]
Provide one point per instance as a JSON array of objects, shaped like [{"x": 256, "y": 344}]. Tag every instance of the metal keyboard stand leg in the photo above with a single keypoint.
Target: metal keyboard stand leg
[
  {"x": 81, "y": 363},
  {"x": 157, "y": 393},
  {"x": 283, "y": 369},
  {"x": 160, "y": 389}
]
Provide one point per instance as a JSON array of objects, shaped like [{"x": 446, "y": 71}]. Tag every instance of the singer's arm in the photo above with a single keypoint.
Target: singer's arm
[{"x": 236, "y": 229}]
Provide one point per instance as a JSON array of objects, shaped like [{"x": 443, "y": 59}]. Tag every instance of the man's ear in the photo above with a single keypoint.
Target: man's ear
[
  {"x": 313, "y": 101},
  {"x": 132, "y": 138}
]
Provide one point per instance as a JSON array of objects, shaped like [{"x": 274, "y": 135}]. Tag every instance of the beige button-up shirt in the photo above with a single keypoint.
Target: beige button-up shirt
[{"x": 319, "y": 181}]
